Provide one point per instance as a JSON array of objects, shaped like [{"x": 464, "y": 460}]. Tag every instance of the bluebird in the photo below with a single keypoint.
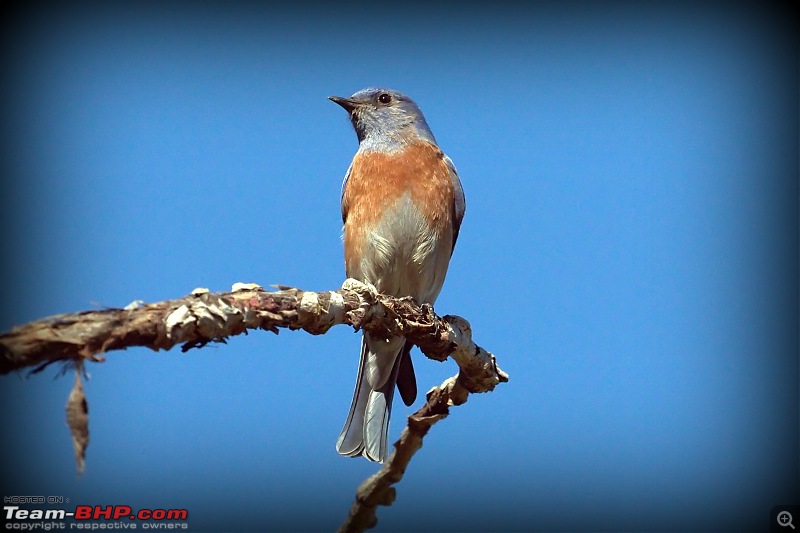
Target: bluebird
[{"x": 402, "y": 206}]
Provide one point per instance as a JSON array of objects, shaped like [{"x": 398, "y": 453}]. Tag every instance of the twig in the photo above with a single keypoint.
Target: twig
[{"x": 478, "y": 372}]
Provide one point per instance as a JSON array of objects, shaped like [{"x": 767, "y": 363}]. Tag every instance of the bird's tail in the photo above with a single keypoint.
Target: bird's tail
[{"x": 366, "y": 430}]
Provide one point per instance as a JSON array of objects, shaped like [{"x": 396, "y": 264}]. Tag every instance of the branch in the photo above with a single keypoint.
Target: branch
[
  {"x": 478, "y": 372},
  {"x": 203, "y": 317},
  {"x": 378, "y": 489}
]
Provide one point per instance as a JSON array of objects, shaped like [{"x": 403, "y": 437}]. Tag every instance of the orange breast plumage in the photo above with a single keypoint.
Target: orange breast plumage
[{"x": 398, "y": 220}]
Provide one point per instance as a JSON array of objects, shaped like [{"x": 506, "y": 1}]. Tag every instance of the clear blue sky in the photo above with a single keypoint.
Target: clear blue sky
[{"x": 629, "y": 253}]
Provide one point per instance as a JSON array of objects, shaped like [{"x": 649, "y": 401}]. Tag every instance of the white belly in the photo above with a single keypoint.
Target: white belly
[{"x": 404, "y": 256}]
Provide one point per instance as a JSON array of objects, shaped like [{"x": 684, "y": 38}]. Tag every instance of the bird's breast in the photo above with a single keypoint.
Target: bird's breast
[{"x": 398, "y": 220}]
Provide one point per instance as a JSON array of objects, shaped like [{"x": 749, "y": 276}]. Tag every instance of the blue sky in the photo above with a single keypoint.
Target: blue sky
[{"x": 629, "y": 253}]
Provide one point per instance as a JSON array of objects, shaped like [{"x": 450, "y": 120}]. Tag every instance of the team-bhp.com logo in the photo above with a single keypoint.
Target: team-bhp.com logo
[{"x": 87, "y": 517}]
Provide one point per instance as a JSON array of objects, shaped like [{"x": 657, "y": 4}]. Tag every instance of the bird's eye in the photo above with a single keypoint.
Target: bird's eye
[{"x": 385, "y": 98}]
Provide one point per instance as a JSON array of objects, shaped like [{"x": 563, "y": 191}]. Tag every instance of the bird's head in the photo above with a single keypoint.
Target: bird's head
[{"x": 385, "y": 119}]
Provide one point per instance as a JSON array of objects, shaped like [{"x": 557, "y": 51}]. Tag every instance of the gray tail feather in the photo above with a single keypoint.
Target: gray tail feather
[{"x": 366, "y": 430}]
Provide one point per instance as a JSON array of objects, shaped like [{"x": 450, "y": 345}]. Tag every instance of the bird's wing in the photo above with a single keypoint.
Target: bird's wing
[
  {"x": 344, "y": 186},
  {"x": 459, "y": 201}
]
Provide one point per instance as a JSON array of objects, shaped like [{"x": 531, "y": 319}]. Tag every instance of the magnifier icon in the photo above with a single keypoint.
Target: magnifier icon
[{"x": 785, "y": 519}]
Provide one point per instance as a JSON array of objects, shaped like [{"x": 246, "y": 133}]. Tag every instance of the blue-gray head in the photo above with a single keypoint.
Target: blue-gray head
[{"x": 385, "y": 119}]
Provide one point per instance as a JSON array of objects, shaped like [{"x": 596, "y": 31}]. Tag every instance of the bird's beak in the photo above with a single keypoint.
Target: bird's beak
[{"x": 347, "y": 103}]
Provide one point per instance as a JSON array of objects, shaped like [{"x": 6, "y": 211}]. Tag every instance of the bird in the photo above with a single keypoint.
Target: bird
[{"x": 402, "y": 207}]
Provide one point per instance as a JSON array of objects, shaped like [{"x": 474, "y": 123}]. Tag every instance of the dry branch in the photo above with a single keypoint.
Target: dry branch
[
  {"x": 378, "y": 489},
  {"x": 204, "y": 317},
  {"x": 478, "y": 372}
]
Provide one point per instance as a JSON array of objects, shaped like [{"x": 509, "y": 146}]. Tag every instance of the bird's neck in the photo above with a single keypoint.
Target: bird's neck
[{"x": 395, "y": 141}]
